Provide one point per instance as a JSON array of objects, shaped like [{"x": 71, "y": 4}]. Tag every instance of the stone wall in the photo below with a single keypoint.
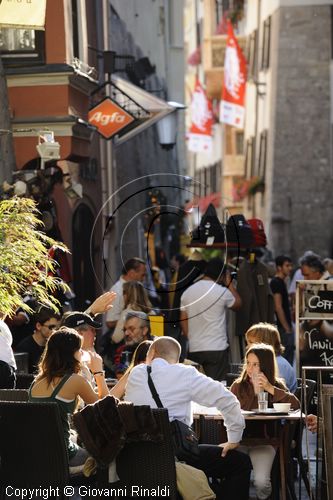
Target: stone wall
[{"x": 301, "y": 210}]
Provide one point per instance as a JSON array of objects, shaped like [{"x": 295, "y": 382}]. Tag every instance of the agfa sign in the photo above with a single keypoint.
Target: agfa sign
[{"x": 109, "y": 118}]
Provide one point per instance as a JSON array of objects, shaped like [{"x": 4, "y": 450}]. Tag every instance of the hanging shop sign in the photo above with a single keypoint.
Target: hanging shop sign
[
  {"x": 109, "y": 118},
  {"x": 29, "y": 14},
  {"x": 200, "y": 134},
  {"x": 127, "y": 111},
  {"x": 232, "y": 107},
  {"x": 314, "y": 325}
]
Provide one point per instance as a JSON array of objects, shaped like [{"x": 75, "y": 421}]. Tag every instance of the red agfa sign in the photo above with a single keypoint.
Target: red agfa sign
[{"x": 109, "y": 118}]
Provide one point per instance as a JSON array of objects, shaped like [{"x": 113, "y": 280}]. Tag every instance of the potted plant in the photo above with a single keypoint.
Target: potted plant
[{"x": 256, "y": 185}]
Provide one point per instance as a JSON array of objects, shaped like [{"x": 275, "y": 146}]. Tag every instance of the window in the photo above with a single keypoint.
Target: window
[
  {"x": 234, "y": 141},
  {"x": 239, "y": 142},
  {"x": 262, "y": 155},
  {"x": 266, "y": 42},
  {"x": 75, "y": 22},
  {"x": 215, "y": 177},
  {"x": 228, "y": 140},
  {"x": 249, "y": 158},
  {"x": 221, "y": 8},
  {"x": 252, "y": 54},
  {"x": 21, "y": 44}
]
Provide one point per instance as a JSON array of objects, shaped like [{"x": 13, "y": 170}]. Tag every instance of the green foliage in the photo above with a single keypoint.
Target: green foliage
[{"x": 25, "y": 264}]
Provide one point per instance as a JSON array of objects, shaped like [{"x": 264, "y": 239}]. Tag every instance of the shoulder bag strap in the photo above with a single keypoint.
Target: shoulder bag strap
[{"x": 153, "y": 389}]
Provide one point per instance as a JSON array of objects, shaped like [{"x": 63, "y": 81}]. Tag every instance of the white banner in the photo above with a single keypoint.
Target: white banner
[
  {"x": 199, "y": 143},
  {"x": 28, "y": 14},
  {"x": 232, "y": 114}
]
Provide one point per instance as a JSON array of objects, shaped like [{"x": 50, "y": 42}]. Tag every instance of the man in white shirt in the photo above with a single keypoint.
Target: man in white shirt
[
  {"x": 203, "y": 319},
  {"x": 177, "y": 386},
  {"x": 7, "y": 359}
]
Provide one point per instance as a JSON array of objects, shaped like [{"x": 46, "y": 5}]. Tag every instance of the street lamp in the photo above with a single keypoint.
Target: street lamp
[
  {"x": 47, "y": 147},
  {"x": 167, "y": 126}
]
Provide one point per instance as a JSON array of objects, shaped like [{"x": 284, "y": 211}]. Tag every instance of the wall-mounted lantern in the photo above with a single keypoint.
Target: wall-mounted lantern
[{"x": 167, "y": 126}]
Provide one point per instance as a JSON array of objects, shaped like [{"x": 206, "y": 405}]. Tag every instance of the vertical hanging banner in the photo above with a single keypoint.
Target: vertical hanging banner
[
  {"x": 29, "y": 14},
  {"x": 200, "y": 134},
  {"x": 232, "y": 107}
]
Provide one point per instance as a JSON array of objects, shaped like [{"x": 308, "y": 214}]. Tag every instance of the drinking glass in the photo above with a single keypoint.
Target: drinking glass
[
  {"x": 255, "y": 382},
  {"x": 262, "y": 401}
]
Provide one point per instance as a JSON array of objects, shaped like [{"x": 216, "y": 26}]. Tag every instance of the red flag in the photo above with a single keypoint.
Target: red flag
[
  {"x": 200, "y": 133},
  {"x": 232, "y": 110}
]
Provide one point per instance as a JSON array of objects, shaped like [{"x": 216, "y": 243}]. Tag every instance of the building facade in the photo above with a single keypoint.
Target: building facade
[
  {"x": 288, "y": 138},
  {"x": 216, "y": 173},
  {"x": 52, "y": 76}
]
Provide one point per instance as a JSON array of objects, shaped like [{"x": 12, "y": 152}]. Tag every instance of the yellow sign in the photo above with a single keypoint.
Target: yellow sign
[
  {"x": 22, "y": 14},
  {"x": 156, "y": 325}
]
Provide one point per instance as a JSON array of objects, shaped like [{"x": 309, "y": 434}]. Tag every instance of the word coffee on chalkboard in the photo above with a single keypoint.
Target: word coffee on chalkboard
[
  {"x": 323, "y": 302},
  {"x": 318, "y": 304}
]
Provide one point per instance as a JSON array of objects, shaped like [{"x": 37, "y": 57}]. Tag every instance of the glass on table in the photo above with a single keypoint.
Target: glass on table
[{"x": 262, "y": 400}]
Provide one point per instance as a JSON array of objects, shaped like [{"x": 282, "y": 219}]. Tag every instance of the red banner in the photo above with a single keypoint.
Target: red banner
[
  {"x": 200, "y": 133},
  {"x": 232, "y": 108}
]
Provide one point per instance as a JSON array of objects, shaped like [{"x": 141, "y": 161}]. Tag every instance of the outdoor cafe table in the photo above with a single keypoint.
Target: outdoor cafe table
[{"x": 281, "y": 439}]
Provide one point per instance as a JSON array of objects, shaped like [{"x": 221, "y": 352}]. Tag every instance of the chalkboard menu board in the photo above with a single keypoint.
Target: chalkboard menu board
[{"x": 314, "y": 325}]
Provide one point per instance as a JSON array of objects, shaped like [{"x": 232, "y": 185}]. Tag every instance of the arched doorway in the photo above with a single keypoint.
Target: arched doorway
[{"x": 83, "y": 275}]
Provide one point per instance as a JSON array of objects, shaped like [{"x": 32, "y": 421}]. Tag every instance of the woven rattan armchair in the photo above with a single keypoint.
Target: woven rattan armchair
[
  {"x": 24, "y": 380},
  {"x": 32, "y": 446},
  {"x": 14, "y": 395},
  {"x": 147, "y": 464}
]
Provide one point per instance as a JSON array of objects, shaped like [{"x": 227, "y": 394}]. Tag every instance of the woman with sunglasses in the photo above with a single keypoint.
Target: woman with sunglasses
[{"x": 59, "y": 380}]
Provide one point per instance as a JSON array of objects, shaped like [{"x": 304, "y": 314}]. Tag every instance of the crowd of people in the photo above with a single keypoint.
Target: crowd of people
[{"x": 69, "y": 360}]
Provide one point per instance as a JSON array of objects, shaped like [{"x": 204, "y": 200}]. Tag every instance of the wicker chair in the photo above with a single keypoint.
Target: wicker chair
[
  {"x": 211, "y": 431},
  {"x": 24, "y": 380},
  {"x": 32, "y": 446},
  {"x": 145, "y": 463},
  {"x": 22, "y": 362},
  {"x": 14, "y": 395}
]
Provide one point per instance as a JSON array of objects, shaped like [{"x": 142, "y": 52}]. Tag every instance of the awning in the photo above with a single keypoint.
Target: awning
[
  {"x": 24, "y": 15},
  {"x": 151, "y": 108}
]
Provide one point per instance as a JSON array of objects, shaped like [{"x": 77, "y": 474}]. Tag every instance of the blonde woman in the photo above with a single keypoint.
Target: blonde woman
[{"x": 267, "y": 333}]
